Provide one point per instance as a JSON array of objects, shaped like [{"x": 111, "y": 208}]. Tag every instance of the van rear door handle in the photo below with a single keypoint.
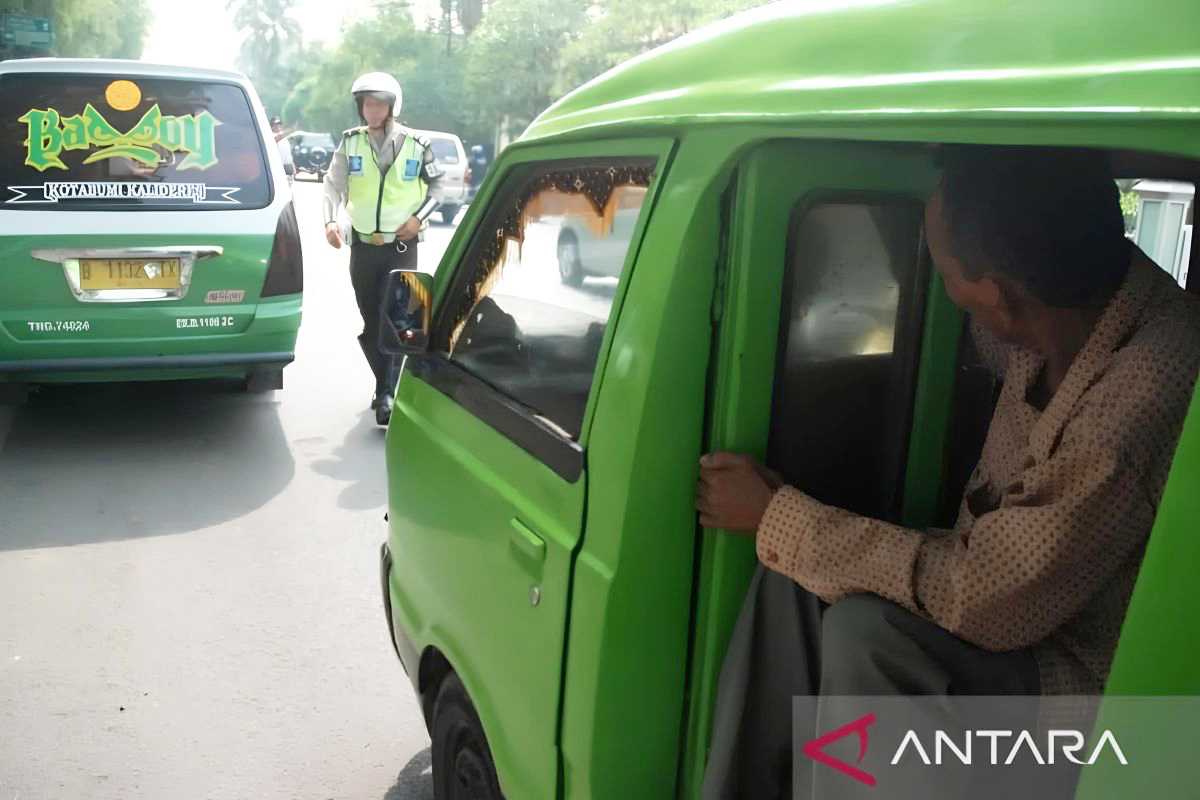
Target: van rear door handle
[
  {"x": 58, "y": 255},
  {"x": 526, "y": 545}
]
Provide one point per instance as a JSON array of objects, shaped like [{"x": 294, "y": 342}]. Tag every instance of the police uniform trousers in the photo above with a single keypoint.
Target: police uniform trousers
[
  {"x": 369, "y": 268},
  {"x": 788, "y": 643}
]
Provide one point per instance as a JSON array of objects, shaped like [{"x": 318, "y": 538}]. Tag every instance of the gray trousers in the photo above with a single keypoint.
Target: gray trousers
[
  {"x": 369, "y": 268},
  {"x": 788, "y": 643}
]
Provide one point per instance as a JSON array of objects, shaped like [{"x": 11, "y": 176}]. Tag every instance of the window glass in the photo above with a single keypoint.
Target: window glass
[
  {"x": 532, "y": 315},
  {"x": 1150, "y": 224},
  {"x": 104, "y": 142},
  {"x": 445, "y": 151},
  {"x": 1172, "y": 231},
  {"x": 310, "y": 140},
  {"x": 848, "y": 352}
]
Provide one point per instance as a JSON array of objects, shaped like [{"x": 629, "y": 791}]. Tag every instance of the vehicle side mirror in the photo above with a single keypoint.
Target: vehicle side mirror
[
  {"x": 289, "y": 169},
  {"x": 404, "y": 312}
]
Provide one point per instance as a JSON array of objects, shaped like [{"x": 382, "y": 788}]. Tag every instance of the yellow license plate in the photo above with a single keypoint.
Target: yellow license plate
[{"x": 127, "y": 273}]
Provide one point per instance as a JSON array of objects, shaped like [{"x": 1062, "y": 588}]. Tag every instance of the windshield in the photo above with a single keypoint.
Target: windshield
[
  {"x": 102, "y": 142},
  {"x": 445, "y": 151},
  {"x": 311, "y": 140}
]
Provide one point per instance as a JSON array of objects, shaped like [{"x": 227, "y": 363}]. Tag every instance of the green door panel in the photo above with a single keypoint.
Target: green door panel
[
  {"x": 773, "y": 180},
  {"x": 626, "y": 662},
  {"x": 1159, "y": 653},
  {"x": 484, "y": 534},
  {"x": 477, "y": 526}
]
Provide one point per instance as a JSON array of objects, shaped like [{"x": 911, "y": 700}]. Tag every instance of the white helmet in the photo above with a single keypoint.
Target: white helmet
[{"x": 381, "y": 82}]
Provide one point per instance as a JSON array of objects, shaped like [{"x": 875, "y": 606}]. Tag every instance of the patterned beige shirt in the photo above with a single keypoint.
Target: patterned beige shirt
[{"x": 1055, "y": 518}]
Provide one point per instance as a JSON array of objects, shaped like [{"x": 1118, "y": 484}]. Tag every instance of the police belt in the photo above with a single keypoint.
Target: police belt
[{"x": 386, "y": 238}]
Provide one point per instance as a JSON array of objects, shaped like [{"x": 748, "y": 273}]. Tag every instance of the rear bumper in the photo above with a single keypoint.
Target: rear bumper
[
  {"x": 200, "y": 361},
  {"x": 123, "y": 345}
]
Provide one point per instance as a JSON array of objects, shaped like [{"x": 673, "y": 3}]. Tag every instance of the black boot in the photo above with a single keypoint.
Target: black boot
[{"x": 383, "y": 412}]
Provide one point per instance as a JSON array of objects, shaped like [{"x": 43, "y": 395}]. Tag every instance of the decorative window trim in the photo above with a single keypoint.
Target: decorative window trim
[{"x": 597, "y": 184}]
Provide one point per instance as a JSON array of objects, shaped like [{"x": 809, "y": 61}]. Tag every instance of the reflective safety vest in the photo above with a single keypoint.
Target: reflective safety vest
[{"x": 383, "y": 202}]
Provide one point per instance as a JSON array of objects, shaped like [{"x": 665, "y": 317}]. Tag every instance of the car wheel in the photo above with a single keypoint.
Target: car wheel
[
  {"x": 570, "y": 268},
  {"x": 462, "y": 761},
  {"x": 449, "y": 212}
]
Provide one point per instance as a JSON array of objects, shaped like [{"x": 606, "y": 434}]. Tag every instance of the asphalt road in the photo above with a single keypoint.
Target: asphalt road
[{"x": 189, "y": 589}]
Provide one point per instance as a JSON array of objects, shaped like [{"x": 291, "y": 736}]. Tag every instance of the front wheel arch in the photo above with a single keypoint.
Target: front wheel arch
[{"x": 433, "y": 669}]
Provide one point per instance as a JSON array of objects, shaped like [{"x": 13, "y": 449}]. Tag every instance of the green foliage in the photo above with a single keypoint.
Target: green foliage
[
  {"x": 514, "y": 56},
  {"x": 478, "y": 68},
  {"x": 619, "y": 31},
  {"x": 1129, "y": 207},
  {"x": 93, "y": 28},
  {"x": 431, "y": 78},
  {"x": 272, "y": 49},
  {"x": 1129, "y": 203}
]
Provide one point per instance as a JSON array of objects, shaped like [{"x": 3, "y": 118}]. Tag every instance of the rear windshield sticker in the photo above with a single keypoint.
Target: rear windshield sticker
[
  {"x": 106, "y": 142},
  {"x": 123, "y": 95},
  {"x": 54, "y": 191},
  {"x": 50, "y": 133}
]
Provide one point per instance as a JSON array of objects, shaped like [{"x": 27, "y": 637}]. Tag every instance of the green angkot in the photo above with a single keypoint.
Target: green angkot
[{"x": 50, "y": 133}]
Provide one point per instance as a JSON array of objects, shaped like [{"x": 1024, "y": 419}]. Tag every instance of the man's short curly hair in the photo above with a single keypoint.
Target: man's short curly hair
[{"x": 1048, "y": 219}]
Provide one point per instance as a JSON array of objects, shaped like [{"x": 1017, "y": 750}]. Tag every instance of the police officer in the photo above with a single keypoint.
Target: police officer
[{"x": 384, "y": 174}]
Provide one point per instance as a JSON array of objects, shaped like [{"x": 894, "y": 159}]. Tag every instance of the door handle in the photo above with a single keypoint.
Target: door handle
[{"x": 525, "y": 544}]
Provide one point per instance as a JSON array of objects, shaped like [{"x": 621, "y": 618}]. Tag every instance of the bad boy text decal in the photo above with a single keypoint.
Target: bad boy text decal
[{"x": 50, "y": 133}]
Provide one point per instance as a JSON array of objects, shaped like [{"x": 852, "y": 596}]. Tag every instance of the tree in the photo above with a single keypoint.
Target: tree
[
  {"x": 470, "y": 14},
  {"x": 513, "y": 58},
  {"x": 92, "y": 28},
  {"x": 618, "y": 31},
  {"x": 431, "y": 79},
  {"x": 481, "y": 66},
  {"x": 271, "y": 47}
]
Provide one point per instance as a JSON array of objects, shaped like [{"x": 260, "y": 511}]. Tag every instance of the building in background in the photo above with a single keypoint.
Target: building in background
[{"x": 1166, "y": 210}]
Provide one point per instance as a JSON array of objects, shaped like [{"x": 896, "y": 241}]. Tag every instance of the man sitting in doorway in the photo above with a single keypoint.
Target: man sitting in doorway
[{"x": 1099, "y": 351}]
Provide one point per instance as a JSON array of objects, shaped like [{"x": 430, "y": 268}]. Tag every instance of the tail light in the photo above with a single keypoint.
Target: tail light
[
  {"x": 285, "y": 270},
  {"x": 467, "y": 176}
]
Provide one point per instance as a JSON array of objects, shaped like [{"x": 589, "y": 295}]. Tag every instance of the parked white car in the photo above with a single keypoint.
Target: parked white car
[
  {"x": 585, "y": 251},
  {"x": 451, "y": 190}
]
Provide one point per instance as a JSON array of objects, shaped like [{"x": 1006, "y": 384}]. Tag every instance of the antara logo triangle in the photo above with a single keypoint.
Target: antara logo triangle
[{"x": 815, "y": 749}]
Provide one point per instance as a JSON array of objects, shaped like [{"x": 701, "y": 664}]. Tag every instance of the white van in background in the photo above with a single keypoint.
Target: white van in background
[{"x": 451, "y": 190}]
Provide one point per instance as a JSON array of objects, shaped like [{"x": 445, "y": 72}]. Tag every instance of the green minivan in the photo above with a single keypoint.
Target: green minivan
[
  {"x": 146, "y": 227},
  {"x": 548, "y": 588}
]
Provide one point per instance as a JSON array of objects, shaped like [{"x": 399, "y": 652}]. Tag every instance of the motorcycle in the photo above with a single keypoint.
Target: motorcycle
[{"x": 313, "y": 157}]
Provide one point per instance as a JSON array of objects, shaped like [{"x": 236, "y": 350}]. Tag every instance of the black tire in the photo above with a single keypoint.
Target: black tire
[
  {"x": 449, "y": 212},
  {"x": 462, "y": 761},
  {"x": 570, "y": 268}
]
